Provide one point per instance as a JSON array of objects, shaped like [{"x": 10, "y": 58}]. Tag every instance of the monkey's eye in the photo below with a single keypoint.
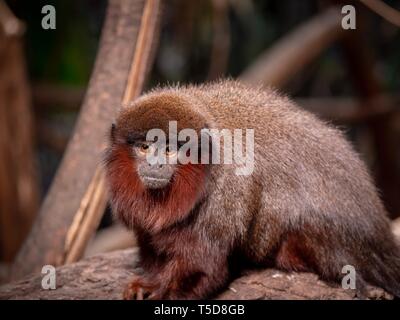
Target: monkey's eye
[{"x": 144, "y": 148}]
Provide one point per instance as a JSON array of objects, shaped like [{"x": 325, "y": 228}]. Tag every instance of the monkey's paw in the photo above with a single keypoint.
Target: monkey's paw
[{"x": 140, "y": 289}]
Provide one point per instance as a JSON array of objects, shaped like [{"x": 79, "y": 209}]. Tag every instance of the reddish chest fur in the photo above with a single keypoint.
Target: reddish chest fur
[{"x": 151, "y": 210}]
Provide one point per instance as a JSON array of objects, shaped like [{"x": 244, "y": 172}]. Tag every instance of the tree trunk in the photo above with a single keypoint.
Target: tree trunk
[{"x": 105, "y": 276}]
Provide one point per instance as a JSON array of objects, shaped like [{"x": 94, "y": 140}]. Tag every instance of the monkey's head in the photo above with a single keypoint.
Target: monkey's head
[{"x": 150, "y": 186}]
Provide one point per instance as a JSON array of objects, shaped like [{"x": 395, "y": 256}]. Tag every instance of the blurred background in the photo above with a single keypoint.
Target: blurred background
[{"x": 353, "y": 83}]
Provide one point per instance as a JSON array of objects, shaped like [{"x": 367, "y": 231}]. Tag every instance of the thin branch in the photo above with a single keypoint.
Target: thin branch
[
  {"x": 292, "y": 53},
  {"x": 385, "y": 11}
]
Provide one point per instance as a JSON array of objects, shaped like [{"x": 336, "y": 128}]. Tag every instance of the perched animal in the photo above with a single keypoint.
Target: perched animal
[{"x": 308, "y": 205}]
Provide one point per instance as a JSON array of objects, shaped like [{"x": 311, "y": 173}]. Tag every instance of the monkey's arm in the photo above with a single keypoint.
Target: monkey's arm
[
  {"x": 191, "y": 272},
  {"x": 197, "y": 275}
]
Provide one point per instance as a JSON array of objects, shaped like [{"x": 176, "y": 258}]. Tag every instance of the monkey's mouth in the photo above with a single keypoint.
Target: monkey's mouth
[{"x": 153, "y": 182}]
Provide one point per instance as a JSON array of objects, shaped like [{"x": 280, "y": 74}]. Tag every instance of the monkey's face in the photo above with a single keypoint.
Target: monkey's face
[
  {"x": 157, "y": 164},
  {"x": 152, "y": 180},
  {"x": 153, "y": 163},
  {"x": 148, "y": 185}
]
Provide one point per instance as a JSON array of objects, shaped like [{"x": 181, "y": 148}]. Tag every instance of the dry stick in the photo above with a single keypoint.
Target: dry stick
[
  {"x": 388, "y": 13},
  {"x": 68, "y": 207},
  {"x": 296, "y": 50},
  {"x": 94, "y": 202},
  {"x": 86, "y": 219}
]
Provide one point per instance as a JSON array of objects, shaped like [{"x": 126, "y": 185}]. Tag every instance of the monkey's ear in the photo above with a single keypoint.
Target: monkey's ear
[{"x": 112, "y": 133}]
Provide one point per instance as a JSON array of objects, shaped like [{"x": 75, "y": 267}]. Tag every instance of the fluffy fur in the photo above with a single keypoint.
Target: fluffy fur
[{"x": 310, "y": 203}]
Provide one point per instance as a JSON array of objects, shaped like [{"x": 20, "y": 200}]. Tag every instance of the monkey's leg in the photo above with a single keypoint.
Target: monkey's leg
[
  {"x": 193, "y": 276},
  {"x": 196, "y": 284}
]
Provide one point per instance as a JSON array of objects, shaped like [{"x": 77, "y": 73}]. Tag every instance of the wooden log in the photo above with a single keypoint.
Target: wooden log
[
  {"x": 105, "y": 276},
  {"x": 19, "y": 198},
  {"x": 76, "y": 200}
]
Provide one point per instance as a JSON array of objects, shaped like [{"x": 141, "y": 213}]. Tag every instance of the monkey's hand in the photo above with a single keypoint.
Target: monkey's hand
[{"x": 141, "y": 288}]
